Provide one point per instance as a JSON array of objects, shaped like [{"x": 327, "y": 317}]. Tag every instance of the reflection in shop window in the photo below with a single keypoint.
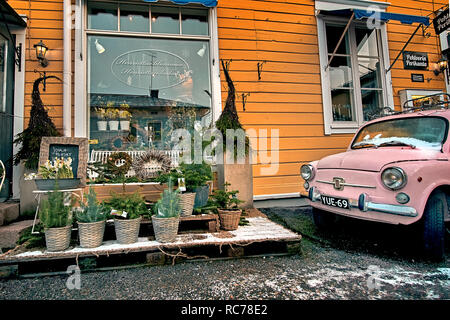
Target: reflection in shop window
[{"x": 141, "y": 90}]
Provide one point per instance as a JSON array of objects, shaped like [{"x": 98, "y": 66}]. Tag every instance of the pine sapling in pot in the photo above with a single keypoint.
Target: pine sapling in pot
[
  {"x": 127, "y": 211},
  {"x": 56, "y": 217},
  {"x": 91, "y": 221},
  {"x": 227, "y": 207},
  {"x": 166, "y": 220}
]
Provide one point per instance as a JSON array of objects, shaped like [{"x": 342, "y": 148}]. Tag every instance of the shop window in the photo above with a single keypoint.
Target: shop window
[
  {"x": 165, "y": 20},
  {"x": 141, "y": 89},
  {"x": 134, "y": 18},
  {"x": 354, "y": 82},
  {"x": 194, "y": 22},
  {"x": 102, "y": 15}
]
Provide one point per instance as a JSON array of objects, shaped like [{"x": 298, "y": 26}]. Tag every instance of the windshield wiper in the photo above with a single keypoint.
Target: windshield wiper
[
  {"x": 396, "y": 143},
  {"x": 364, "y": 145}
]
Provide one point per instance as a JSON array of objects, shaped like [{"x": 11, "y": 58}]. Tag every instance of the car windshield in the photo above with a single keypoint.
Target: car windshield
[{"x": 415, "y": 132}]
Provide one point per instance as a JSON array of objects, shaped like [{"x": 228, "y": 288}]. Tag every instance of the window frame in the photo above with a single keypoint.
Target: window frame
[
  {"x": 81, "y": 112},
  {"x": 342, "y": 127}
]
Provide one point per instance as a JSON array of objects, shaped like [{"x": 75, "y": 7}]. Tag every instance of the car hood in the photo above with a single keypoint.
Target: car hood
[{"x": 374, "y": 159}]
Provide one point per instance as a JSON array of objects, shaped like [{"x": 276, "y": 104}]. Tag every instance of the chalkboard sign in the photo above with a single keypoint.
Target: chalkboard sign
[
  {"x": 65, "y": 151},
  {"x": 65, "y": 147}
]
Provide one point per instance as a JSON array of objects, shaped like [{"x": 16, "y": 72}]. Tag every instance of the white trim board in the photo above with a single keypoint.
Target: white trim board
[
  {"x": 277, "y": 196},
  {"x": 19, "y": 102}
]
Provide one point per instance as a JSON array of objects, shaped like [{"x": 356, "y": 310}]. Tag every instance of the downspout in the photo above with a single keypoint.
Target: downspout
[{"x": 67, "y": 72}]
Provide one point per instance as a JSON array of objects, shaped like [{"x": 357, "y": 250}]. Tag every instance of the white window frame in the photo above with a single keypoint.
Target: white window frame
[
  {"x": 335, "y": 127},
  {"x": 81, "y": 112}
]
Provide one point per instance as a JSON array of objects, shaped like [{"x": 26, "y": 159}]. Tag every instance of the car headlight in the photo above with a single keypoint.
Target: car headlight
[
  {"x": 307, "y": 171},
  {"x": 394, "y": 178}
]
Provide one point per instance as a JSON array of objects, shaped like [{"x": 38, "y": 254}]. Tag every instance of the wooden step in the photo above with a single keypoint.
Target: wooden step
[{"x": 9, "y": 212}]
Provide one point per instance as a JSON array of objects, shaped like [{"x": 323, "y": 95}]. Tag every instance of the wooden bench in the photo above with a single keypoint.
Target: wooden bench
[{"x": 208, "y": 222}]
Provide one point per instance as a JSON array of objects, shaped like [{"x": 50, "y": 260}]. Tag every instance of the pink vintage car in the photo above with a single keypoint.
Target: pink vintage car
[{"x": 396, "y": 170}]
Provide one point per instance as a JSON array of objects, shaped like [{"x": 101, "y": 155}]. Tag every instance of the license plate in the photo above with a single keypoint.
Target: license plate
[{"x": 335, "y": 202}]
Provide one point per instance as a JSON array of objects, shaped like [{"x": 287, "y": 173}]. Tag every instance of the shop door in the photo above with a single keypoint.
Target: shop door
[{"x": 6, "y": 109}]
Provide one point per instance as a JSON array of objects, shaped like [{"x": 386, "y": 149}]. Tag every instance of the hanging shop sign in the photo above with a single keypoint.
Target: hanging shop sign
[
  {"x": 150, "y": 69},
  {"x": 441, "y": 22},
  {"x": 415, "y": 60}
]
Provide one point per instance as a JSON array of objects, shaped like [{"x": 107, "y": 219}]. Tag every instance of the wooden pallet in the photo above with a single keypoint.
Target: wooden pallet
[{"x": 261, "y": 237}]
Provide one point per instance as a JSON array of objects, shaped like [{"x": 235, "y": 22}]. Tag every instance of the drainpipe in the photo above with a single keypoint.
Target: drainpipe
[{"x": 67, "y": 72}]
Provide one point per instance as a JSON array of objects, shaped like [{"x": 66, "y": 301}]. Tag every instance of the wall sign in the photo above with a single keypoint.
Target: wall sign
[
  {"x": 65, "y": 147},
  {"x": 441, "y": 22},
  {"x": 417, "y": 77},
  {"x": 415, "y": 60},
  {"x": 150, "y": 69}
]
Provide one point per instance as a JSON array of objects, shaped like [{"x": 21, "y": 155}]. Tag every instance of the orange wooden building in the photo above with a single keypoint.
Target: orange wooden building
[{"x": 299, "y": 67}]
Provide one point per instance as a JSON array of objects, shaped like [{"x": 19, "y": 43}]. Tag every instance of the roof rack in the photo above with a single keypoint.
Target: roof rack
[{"x": 428, "y": 103}]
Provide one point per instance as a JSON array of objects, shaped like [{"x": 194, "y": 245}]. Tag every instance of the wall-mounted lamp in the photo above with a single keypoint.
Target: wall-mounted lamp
[
  {"x": 202, "y": 51},
  {"x": 41, "y": 51},
  {"x": 440, "y": 66},
  {"x": 100, "y": 49}
]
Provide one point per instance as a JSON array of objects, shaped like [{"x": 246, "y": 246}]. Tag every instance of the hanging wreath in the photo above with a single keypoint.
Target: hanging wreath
[
  {"x": 119, "y": 163},
  {"x": 149, "y": 164}
]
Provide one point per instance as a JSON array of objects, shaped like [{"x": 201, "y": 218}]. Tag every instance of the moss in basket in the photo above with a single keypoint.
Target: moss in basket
[
  {"x": 53, "y": 213},
  {"x": 92, "y": 211},
  {"x": 133, "y": 205},
  {"x": 168, "y": 206},
  {"x": 226, "y": 200}
]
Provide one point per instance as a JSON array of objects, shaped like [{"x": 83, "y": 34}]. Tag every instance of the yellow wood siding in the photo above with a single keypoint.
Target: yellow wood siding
[
  {"x": 288, "y": 97},
  {"x": 45, "y": 22}
]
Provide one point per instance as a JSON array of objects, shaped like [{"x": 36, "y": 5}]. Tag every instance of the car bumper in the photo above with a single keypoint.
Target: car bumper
[{"x": 364, "y": 204}]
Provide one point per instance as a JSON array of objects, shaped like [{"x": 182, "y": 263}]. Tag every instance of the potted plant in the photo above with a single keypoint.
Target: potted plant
[
  {"x": 91, "y": 220},
  {"x": 166, "y": 220},
  {"x": 112, "y": 114},
  {"x": 101, "y": 119},
  {"x": 195, "y": 177},
  {"x": 127, "y": 211},
  {"x": 124, "y": 116},
  {"x": 56, "y": 218},
  {"x": 227, "y": 208},
  {"x": 60, "y": 169}
]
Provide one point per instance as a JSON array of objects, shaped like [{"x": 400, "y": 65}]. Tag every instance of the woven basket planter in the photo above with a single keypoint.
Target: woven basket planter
[
  {"x": 166, "y": 229},
  {"x": 58, "y": 239},
  {"x": 229, "y": 219},
  {"x": 91, "y": 234},
  {"x": 187, "y": 201},
  {"x": 127, "y": 231}
]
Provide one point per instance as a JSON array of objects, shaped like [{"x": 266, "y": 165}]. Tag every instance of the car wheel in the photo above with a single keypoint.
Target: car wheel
[
  {"x": 322, "y": 219},
  {"x": 434, "y": 229}
]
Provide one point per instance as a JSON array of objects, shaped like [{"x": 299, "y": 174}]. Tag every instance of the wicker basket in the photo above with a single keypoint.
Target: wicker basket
[
  {"x": 58, "y": 239},
  {"x": 91, "y": 234},
  {"x": 127, "y": 231},
  {"x": 187, "y": 201},
  {"x": 166, "y": 229},
  {"x": 229, "y": 219}
]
